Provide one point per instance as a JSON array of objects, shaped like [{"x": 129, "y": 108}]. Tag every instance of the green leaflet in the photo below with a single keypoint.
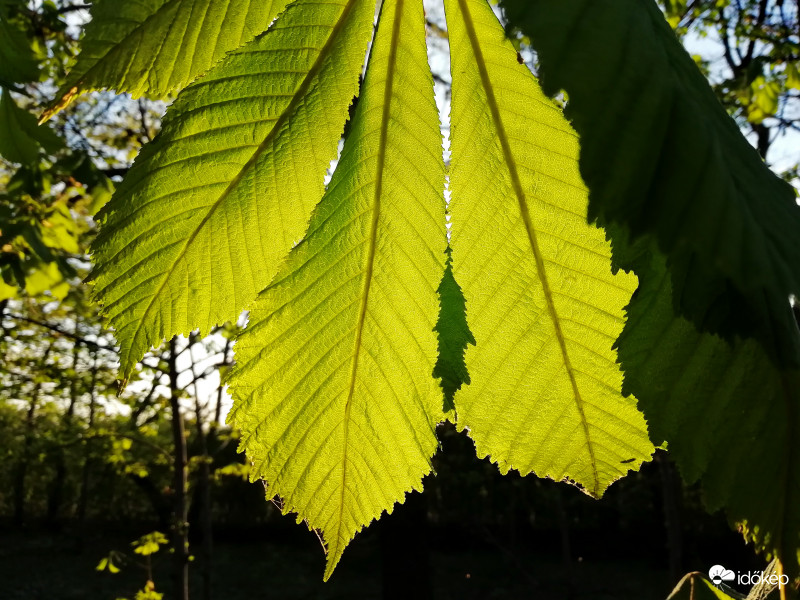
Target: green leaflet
[
  {"x": 333, "y": 389},
  {"x": 695, "y": 586},
  {"x": 17, "y": 61},
  {"x": 454, "y": 335},
  {"x": 198, "y": 226},
  {"x": 20, "y": 137},
  {"x": 541, "y": 300},
  {"x": 662, "y": 158},
  {"x": 730, "y": 416},
  {"x": 154, "y": 47}
]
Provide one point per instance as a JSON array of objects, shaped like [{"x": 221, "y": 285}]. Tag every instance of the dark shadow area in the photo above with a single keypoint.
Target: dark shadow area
[{"x": 473, "y": 534}]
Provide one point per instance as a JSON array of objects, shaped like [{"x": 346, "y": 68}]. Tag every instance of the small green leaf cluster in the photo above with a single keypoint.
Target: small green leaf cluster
[
  {"x": 149, "y": 543},
  {"x": 145, "y": 546}
]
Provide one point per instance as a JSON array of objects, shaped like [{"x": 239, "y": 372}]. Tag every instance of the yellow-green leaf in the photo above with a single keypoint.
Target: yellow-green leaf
[
  {"x": 541, "y": 300},
  {"x": 792, "y": 76},
  {"x": 154, "y": 47},
  {"x": 200, "y": 223},
  {"x": 764, "y": 99},
  {"x": 333, "y": 389},
  {"x": 695, "y": 586}
]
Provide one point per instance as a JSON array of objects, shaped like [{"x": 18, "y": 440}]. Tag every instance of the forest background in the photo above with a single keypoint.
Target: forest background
[{"x": 88, "y": 469}]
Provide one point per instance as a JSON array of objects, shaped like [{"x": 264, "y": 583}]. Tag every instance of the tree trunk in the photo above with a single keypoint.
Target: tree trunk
[
  {"x": 672, "y": 525},
  {"x": 204, "y": 489},
  {"x": 180, "y": 538},
  {"x": 21, "y": 472},
  {"x": 55, "y": 498},
  {"x": 83, "y": 495}
]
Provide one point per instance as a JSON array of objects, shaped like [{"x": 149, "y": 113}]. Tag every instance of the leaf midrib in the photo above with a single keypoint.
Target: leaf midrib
[
  {"x": 516, "y": 183},
  {"x": 370, "y": 261},
  {"x": 276, "y": 128}
]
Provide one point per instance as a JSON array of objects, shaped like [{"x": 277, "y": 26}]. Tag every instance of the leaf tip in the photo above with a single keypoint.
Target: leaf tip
[{"x": 60, "y": 104}]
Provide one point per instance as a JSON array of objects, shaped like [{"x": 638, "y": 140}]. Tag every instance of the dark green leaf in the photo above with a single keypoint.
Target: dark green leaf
[
  {"x": 661, "y": 157},
  {"x": 731, "y": 417},
  {"x": 20, "y": 136},
  {"x": 17, "y": 62},
  {"x": 454, "y": 335}
]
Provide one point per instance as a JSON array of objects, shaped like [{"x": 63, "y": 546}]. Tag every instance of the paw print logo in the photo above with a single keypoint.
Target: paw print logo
[{"x": 718, "y": 574}]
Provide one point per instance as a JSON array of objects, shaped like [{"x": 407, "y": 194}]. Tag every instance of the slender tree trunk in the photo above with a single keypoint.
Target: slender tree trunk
[
  {"x": 218, "y": 406},
  {"x": 204, "y": 485},
  {"x": 762, "y": 139},
  {"x": 672, "y": 524},
  {"x": 83, "y": 495},
  {"x": 205, "y": 519},
  {"x": 56, "y": 497},
  {"x": 180, "y": 530},
  {"x": 21, "y": 473}
]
